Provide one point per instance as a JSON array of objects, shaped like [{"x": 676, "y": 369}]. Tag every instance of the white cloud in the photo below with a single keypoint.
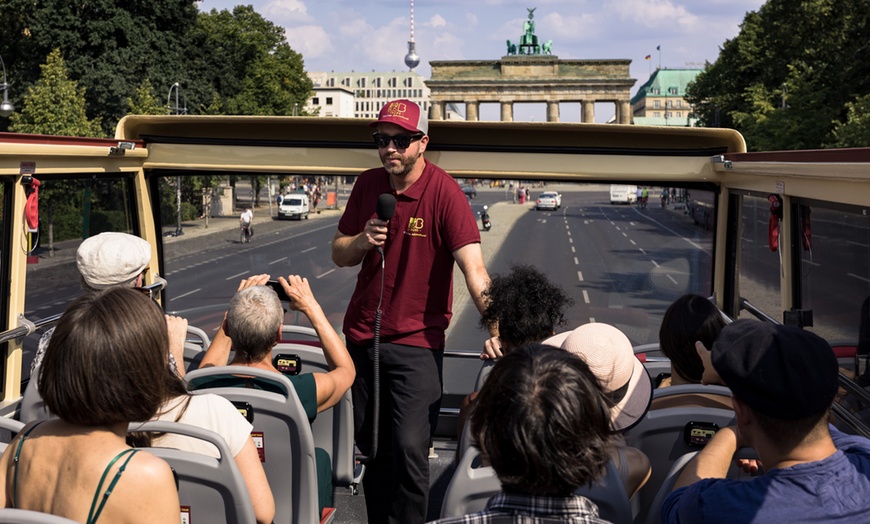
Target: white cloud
[
  {"x": 472, "y": 19},
  {"x": 437, "y": 21},
  {"x": 656, "y": 14},
  {"x": 310, "y": 40},
  {"x": 286, "y": 12}
]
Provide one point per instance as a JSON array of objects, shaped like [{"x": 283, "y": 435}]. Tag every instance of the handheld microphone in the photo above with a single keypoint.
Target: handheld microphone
[{"x": 385, "y": 210}]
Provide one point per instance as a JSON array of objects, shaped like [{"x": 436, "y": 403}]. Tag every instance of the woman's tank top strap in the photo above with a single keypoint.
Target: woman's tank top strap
[
  {"x": 15, "y": 463},
  {"x": 92, "y": 516}
]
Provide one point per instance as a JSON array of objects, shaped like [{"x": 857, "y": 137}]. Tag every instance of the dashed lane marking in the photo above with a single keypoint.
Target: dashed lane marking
[
  {"x": 237, "y": 276},
  {"x": 324, "y": 274},
  {"x": 186, "y": 294},
  {"x": 276, "y": 261},
  {"x": 585, "y": 296}
]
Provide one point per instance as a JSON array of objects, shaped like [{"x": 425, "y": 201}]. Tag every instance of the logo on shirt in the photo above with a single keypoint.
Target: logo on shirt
[{"x": 415, "y": 227}]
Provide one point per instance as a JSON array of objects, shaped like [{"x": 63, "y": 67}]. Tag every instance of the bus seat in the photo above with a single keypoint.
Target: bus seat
[
  {"x": 299, "y": 334},
  {"x": 32, "y": 406},
  {"x": 655, "y": 510},
  {"x": 210, "y": 489},
  {"x": 333, "y": 429},
  {"x": 734, "y": 472},
  {"x": 473, "y": 484},
  {"x": 660, "y": 435},
  {"x": 193, "y": 350},
  {"x": 483, "y": 373},
  {"x": 653, "y": 359},
  {"x": 282, "y": 434},
  {"x": 23, "y": 516},
  {"x": 712, "y": 396},
  {"x": 465, "y": 438},
  {"x": 9, "y": 427}
]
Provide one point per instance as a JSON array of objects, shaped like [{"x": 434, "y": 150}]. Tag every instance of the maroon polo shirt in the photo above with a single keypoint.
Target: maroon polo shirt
[{"x": 432, "y": 220}]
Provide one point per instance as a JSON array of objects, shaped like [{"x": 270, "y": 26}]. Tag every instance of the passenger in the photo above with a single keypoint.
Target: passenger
[
  {"x": 253, "y": 326},
  {"x": 784, "y": 380},
  {"x": 542, "y": 422},
  {"x": 609, "y": 354},
  {"x": 689, "y": 320},
  {"x": 214, "y": 413},
  {"x": 106, "y": 260},
  {"x": 522, "y": 307},
  {"x": 102, "y": 369}
]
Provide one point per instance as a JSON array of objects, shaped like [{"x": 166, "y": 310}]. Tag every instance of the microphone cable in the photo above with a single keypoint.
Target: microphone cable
[{"x": 385, "y": 210}]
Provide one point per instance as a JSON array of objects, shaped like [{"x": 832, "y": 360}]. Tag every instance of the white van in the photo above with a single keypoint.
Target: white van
[
  {"x": 294, "y": 205},
  {"x": 623, "y": 194}
]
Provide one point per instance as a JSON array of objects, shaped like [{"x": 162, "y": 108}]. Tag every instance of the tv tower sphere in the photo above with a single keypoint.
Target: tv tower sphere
[{"x": 412, "y": 60}]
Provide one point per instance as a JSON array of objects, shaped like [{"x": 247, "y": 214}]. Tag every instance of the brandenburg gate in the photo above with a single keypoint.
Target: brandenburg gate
[{"x": 530, "y": 73}]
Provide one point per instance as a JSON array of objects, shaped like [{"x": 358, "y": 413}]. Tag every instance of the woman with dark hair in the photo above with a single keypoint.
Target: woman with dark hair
[
  {"x": 690, "y": 319},
  {"x": 214, "y": 413},
  {"x": 103, "y": 369}
]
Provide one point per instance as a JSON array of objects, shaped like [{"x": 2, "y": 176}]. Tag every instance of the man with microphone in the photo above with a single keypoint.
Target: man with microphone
[{"x": 405, "y": 223}]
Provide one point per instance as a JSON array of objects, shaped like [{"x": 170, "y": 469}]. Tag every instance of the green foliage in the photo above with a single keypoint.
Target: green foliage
[
  {"x": 55, "y": 105},
  {"x": 855, "y": 131},
  {"x": 110, "y": 46},
  {"x": 146, "y": 101},
  {"x": 785, "y": 80},
  {"x": 247, "y": 62}
]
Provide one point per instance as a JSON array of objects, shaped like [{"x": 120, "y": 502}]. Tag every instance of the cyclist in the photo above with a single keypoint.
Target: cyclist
[{"x": 245, "y": 220}]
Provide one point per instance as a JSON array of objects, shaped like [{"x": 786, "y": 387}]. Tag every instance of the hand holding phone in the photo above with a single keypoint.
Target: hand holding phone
[{"x": 279, "y": 289}]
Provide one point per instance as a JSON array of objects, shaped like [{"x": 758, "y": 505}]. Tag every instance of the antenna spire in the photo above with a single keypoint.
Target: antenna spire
[{"x": 412, "y": 60}]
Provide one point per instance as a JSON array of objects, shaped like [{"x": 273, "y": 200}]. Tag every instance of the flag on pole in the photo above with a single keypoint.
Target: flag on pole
[{"x": 647, "y": 57}]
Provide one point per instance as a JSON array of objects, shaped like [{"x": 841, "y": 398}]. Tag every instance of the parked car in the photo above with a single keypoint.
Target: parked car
[
  {"x": 469, "y": 191},
  {"x": 294, "y": 205},
  {"x": 548, "y": 200}
]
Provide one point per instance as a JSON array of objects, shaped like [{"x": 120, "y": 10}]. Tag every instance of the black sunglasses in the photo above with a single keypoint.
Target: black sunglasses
[{"x": 401, "y": 141}]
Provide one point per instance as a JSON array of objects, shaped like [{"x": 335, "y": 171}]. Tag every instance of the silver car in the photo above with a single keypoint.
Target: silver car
[{"x": 548, "y": 200}]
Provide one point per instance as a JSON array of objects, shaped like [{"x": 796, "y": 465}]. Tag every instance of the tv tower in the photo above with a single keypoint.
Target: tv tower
[{"x": 412, "y": 60}]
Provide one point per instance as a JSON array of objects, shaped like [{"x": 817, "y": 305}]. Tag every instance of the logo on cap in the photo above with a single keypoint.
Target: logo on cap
[{"x": 398, "y": 109}]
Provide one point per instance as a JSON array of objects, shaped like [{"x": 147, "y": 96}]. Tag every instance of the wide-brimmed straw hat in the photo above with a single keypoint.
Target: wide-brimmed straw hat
[{"x": 610, "y": 356}]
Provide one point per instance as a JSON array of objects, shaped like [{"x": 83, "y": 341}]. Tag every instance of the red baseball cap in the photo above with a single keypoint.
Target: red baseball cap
[{"x": 405, "y": 114}]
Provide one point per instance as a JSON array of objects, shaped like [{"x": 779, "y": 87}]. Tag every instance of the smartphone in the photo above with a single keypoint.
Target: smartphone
[{"x": 274, "y": 284}]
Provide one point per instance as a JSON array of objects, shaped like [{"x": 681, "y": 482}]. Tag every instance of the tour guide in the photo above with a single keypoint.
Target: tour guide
[{"x": 433, "y": 225}]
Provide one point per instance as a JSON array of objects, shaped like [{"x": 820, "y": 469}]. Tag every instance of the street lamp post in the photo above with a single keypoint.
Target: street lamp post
[
  {"x": 178, "y": 111},
  {"x": 6, "y": 107}
]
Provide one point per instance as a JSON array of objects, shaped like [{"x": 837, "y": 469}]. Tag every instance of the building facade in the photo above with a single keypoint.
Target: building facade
[
  {"x": 370, "y": 91},
  {"x": 661, "y": 100},
  {"x": 331, "y": 102}
]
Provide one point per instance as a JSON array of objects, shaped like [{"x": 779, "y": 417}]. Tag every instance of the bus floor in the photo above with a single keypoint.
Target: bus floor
[{"x": 351, "y": 509}]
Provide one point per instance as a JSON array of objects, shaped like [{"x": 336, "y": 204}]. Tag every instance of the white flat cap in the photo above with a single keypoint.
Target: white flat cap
[{"x": 112, "y": 259}]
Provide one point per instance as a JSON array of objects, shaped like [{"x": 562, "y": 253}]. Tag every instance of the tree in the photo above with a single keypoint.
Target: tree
[
  {"x": 247, "y": 64},
  {"x": 55, "y": 105},
  {"x": 784, "y": 81},
  {"x": 146, "y": 101},
  {"x": 855, "y": 131},
  {"x": 109, "y": 46}
]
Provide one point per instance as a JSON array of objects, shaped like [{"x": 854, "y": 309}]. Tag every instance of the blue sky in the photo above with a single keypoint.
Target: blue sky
[{"x": 362, "y": 35}]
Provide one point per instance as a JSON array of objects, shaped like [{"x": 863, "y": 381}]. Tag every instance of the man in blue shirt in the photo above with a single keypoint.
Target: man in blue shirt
[{"x": 783, "y": 381}]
